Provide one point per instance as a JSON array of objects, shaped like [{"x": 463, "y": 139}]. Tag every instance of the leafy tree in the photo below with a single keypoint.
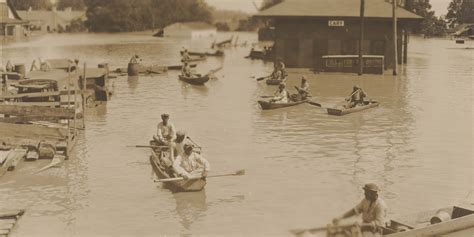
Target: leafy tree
[
  {"x": 34, "y": 4},
  {"x": 431, "y": 25},
  {"x": 74, "y": 4},
  {"x": 171, "y": 11},
  {"x": 460, "y": 11}
]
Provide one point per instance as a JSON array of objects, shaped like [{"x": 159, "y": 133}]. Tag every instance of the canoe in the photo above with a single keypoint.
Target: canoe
[
  {"x": 446, "y": 222},
  {"x": 274, "y": 82},
  {"x": 343, "y": 111},
  {"x": 176, "y": 186},
  {"x": 266, "y": 105},
  {"x": 197, "y": 81}
]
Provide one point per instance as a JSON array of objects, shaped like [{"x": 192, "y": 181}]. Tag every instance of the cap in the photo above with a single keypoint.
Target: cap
[
  {"x": 303, "y": 78},
  {"x": 165, "y": 116},
  {"x": 371, "y": 187},
  {"x": 181, "y": 133}
]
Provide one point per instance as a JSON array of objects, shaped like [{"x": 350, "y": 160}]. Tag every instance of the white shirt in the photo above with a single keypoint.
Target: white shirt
[
  {"x": 185, "y": 164},
  {"x": 166, "y": 130}
]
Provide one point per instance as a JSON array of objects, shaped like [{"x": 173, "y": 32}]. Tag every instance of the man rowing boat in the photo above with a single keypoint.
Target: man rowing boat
[
  {"x": 303, "y": 91},
  {"x": 281, "y": 95},
  {"x": 356, "y": 98},
  {"x": 191, "y": 164},
  {"x": 373, "y": 211}
]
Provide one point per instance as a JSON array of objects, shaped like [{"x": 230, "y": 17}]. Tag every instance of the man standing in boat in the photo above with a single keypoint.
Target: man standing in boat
[
  {"x": 185, "y": 56},
  {"x": 357, "y": 97},
  {"x": 190, "y": 164},
  {"x": 373, "y": 210},
  {"x": 303, "y": 91},
  {"x": 166, "y": 131}
]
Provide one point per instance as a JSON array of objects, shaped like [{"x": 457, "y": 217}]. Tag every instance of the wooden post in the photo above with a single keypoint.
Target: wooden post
[
  {"x": 405, "y": 46},
  {"x": 395, "y": 41},
  {"x": 361, "y": 40},
  {"x": 75, "y": 104},
  {"x": 84, "y": 87},
  {"x": 68, "y": 141}
]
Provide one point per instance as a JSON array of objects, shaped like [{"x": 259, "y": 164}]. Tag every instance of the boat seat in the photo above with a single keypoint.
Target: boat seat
[{"x": 460, "y": 211}]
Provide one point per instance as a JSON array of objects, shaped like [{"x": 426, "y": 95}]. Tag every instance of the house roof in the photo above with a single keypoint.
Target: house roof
[
  {"x": 44, "y": 15},
  {"x": 12, "y": 8},
  {"x": 335, "y": 8},
  {"x": 195, "y": 25}
]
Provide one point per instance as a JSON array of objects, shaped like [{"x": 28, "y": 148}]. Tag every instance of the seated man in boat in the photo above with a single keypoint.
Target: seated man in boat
[
  {"x": 303, "y": 91},
  {"x": 166, "y": 131},
  {"x": 179, "y": 143},
  {"x": 135, "y": 59},
  {"x": 191, "y": 164},
  {"x": 356, "y": 98},
  {"x": 281, "y": 67},
  {"x": 185, "y": 56},
  {"x": 281, "y": 95},
  {"x": 373, "y": 210}
]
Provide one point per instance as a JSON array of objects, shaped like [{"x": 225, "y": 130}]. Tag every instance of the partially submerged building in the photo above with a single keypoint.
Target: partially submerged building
[
  {"x": 47, "y": 21},
  {"x": 306, "y": 31},
  {"x": 11, "y": 24},
  {"x": 191, "y": 30}
]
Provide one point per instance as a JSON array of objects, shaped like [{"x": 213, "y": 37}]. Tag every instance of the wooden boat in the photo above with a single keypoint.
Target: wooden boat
[
  {"x": 275, "y": 82},
  {"x": 197, "y": 81},
  {"x": 344, "y": 111},
  {"x": 217, "y": 53},
  {"x": 177, "y": 186},
  {"x": 198, "y": 58},
  {"x": 266, "y": 105},
  {"x": 8, "y": 220},
  {"x": 452, "y": 221}
]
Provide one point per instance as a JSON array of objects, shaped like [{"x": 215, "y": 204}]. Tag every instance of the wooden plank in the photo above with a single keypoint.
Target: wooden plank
[
  {"x": 6, "y": 226},
  {"x": 4, "y": 232},
  {"x": 11, "y": 213},
  {"x": 26, "y": 119},
  {"x": 8, "y": 221},
  {"x": 32, "y": 131},
  {"x": 18, "y": 110},
  {"x": 37, "y": 104},
  {"x": 31, "y": 95},
  {"x": 3, "y": 156}
]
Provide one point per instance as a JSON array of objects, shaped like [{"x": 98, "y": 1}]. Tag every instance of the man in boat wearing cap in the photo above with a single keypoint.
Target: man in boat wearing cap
[
  {"x": 191, "y": 164},
  {"x": 281, "y": 95},
  {"x": 179, "y": 143},
  {"x": 166, "y": 131},
  {"x": 357, "y": 97},
  {"x": 373, "y": 210}
]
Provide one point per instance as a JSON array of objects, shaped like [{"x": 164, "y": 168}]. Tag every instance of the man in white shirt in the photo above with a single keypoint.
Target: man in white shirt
[
  {"x": 190, "y": 164},
  {"x": 166, "y": 131}
]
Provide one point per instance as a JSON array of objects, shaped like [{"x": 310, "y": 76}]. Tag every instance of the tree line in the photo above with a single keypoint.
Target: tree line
[{"x": 136, "y": 15}]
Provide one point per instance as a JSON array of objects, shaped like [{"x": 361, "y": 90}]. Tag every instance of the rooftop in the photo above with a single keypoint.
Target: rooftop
[
  {"x": 335, "y": 8},
  {"x": 195, "y": 25}
]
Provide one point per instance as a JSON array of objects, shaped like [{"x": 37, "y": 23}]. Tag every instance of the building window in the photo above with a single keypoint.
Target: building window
[
  {"x": 378, "y": 47},
  {"x": 349, "y": 47}
]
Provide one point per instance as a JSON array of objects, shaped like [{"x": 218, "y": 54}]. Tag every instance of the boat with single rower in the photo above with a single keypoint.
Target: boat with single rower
[{"x": 344, "y": 111}]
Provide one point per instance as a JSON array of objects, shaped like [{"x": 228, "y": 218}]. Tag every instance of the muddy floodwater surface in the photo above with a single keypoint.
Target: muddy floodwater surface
[{"x": 303, "y": 167}]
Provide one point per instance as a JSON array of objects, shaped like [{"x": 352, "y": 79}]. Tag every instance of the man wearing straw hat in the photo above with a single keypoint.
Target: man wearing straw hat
[{"x": 373, "y": 210}]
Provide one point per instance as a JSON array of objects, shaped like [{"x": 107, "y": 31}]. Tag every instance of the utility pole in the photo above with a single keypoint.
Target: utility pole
[
  {"x": 361, "y": 40},
  {"x": 395, "y": 41}
]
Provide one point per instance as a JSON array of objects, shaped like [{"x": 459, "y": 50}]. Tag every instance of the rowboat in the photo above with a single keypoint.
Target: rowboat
[
  {"x": 275, "y": 82},
  {"x": 344, "y": 111},
  {"x": 451, "y": 221},
  {"x": 156, "y": 158},
  {"x": 197, "y": 81},
  {"x": 217, "y": 53},
  {"x": 266, "y": 105},
  {"x": 196, "y": 59}
]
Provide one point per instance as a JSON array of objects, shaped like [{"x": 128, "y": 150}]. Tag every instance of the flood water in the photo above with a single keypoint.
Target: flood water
[{"x": 303, "y": 167}]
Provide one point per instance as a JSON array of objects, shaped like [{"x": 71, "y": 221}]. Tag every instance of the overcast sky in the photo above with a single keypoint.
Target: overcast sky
[{"x": 439, "y": 6}]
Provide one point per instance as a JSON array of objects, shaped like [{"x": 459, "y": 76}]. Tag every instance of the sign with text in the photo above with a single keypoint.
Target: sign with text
[{"x": 336, "y": 23}]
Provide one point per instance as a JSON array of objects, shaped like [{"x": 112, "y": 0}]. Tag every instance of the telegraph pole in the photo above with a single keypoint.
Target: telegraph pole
[
  {"x": 395, "y": 40},
  {"x": 361, "y": 62}
]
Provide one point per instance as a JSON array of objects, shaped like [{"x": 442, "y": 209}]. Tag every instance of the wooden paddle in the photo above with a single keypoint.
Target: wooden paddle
[
  {"x": 142, "y": 146},
  {"x": 262, "y": 78},
  {"x": 236, "y": 173},
  {"x": 194, "y": 142},
  {"x": 325, "y": 228},
  {"x": 315, "y": 104}
]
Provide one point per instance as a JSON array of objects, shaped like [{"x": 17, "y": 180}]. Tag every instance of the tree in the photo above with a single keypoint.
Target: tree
[
  {"x": 74, "y": 4},
  {"x": 24, "y": 5},
  {"x": 460, "y": 11},
  {"x": 171, "y": 11},
  {"x": 431, "y": 25}
]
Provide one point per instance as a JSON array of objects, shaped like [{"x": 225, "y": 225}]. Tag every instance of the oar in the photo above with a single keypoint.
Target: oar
[
  {"x": 324, "y": 228},
  {"x": 236, "y": 173},
  {"x": 267, "y": 96},
  {"x": 142, "y": 146},
  {"x": 197, "y": 145},
  {"x": 262, "y": 78},
  {"x": 314, "y": 103}
]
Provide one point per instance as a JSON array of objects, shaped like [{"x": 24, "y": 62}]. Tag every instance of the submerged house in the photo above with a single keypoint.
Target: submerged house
[
  {"x": 307, "y": 31},
  {"x": 191, "y": 30},
  {"x": 47, "y": 21},
  {"x": 11, "y": 24}
]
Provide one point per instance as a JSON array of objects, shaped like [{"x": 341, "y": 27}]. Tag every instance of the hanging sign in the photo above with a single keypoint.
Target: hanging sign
[{"x": 336, "y": 23}]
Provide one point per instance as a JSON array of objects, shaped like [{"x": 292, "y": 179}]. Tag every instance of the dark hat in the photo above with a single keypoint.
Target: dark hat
[
  {"x": 371, "y": 187},
  {"x": 165, "y": 116},
  {"x": 188, "y": 147}
]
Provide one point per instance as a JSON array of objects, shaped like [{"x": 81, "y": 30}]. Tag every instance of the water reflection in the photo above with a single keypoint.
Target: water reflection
[
  {"x": 133, "y": 83},
  {"x": 190, "y": 207}
]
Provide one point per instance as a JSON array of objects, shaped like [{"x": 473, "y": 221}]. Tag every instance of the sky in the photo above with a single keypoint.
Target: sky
[{"x": 439, "y": 6}]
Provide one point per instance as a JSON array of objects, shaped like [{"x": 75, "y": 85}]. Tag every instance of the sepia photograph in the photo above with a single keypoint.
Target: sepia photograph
[{"x": 298, "y": 118}]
